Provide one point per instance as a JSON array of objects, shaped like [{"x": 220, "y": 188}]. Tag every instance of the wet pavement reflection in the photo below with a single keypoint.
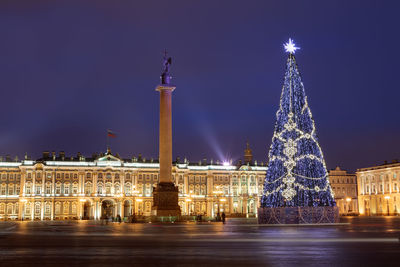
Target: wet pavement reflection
[{"x": 363, "y": 241}]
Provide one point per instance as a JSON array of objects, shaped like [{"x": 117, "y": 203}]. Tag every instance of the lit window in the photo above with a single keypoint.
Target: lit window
[
  {"x": 9, "y": 209},
  {"x": 48, "y": 189},
  {"x": 28, "y": 189},
  {"x": 75, "y": 188},
  {"x": 58, "y": 189},
  {"x": 10, "y": 190},
  {"x": 66, "y": 189},
  {"x": 38, "y": 190},
  {"x": 37, "y": 208},
  {"x": 88, "y": 189},
  {"x": 47, "y": 209}
]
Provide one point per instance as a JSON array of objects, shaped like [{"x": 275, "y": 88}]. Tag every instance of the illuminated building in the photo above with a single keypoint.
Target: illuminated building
[
  {"x": 378, "y": 189},
  {"x": 57, "y": 187},
  {"x": 344, "y": 186}
]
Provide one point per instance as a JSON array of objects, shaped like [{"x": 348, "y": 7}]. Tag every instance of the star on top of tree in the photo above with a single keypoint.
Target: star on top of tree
[{"x": 290, "y": 46}]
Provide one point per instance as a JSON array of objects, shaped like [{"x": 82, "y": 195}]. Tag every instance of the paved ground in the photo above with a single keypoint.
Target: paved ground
[{"x": 362, "y": 242}]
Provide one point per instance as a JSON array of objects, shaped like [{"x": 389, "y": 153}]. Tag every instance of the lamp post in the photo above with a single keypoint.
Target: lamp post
[
  {"x": 387, "y": 199},
  {"x": 217, "y": 193}
]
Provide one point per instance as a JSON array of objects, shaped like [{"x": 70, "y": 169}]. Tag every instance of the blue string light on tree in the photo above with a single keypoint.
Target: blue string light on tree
[{"x": 297, "y": 174}]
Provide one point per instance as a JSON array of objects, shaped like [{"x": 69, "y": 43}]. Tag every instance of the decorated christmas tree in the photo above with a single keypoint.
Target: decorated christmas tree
[{"x": 296, "y": 175}]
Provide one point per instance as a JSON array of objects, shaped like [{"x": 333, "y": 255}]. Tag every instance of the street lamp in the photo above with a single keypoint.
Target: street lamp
[{"x": 387, "y": 199}]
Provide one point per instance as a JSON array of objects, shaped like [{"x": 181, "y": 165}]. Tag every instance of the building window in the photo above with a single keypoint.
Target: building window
[
  {"x": 10, "y": 190},
  {"x": 28, "y": 189},
  {"x": 37, "y": 208},
  {"x": 73, "y": 208},
  {"x": 66, "y": 189},
  {"x": 58, "y": 208},
  {"x": 48, "y": 189},
  {"x": 108, "y": 189},
  {"x": 47, "y": 209},
  {"x": 75, "y": 188},
  {"x": 88, "y": 175},
  {"x": 100, "y": 189},
  {"x": 38, "y": 190},
  {"x": 17, "y": 189},
  {"x": 127, "y": 189},
  {"x": 395, "y": 186},
  {"x": 65, "y": 208},
  {"x": 3, "y": 190},
  {"x": 10, "y": 208},
  {"x": 88, "y": 189},
  {"x": 58, "y": 188},
  {"x": 27, "y": 208},
  {"x": 2, "y": 208}
]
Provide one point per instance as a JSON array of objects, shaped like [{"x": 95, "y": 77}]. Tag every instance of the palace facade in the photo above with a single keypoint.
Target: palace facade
[
  {"x": 57, "y": 187},
  {"x": 378, "y": 189},
  {"x": 344, "y": 186}
]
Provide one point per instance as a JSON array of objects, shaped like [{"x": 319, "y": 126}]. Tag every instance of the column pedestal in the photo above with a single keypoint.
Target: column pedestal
[{"x": 165, "y": 200}]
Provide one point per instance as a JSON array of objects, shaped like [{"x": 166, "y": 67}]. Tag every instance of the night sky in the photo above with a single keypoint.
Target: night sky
[{"x": 71, "y": 69}]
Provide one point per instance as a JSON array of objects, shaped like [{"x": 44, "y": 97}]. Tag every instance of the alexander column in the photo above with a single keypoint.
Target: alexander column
[{"x": 165, "y": 195}]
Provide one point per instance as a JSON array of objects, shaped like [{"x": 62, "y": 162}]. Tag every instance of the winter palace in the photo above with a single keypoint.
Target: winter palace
[{"x": 57, "y": 187}]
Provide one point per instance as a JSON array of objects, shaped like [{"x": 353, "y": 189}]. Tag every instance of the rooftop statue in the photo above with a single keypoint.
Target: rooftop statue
[{"x": 165, "y": 76}]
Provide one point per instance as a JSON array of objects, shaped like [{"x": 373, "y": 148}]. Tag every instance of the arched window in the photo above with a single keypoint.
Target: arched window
[
  {"x": 88, "y": 188},
  {"x": 73, "y": 208},
  {"x": 38, "y": 189},
  {"x": 66, "y": 207},
  {"x": 58, "y": 188},
  {"x": 37, "y": 208},
  {"x": 100, "y": 188},
  {"x": 117, "y": 189},
  {"x": 66, "y": 188},
  {"x": 127, "y": 188},
  {"x": 58, "y": 208},
  {"x": 108, "y": 188},
  {"x": 75, "y": 188},
  {"x": 10, "y": 189},
  {"x": 28, "y": 188},
  {"x": 28, "y": 208},
  {"x": 10, "y": 208},
  {"x": 203, "y": 190},
  {"x": 48, "y": 188},
  {"x": 47, "y": 209}
]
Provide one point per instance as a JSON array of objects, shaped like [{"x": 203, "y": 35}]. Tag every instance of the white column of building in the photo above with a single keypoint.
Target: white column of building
[{"x": 32, "y": 210}]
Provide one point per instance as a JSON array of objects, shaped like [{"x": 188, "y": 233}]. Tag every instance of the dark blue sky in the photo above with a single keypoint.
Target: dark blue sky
[{"x": 71, "y": 69}]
